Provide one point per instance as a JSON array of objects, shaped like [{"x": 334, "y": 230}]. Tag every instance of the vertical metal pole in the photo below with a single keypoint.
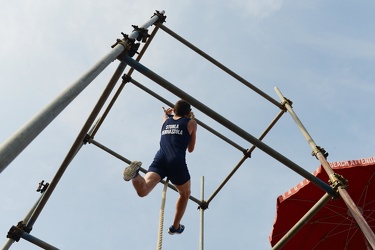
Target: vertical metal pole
[
  {"x": 15, "y": 144},
  {"x": 369, "y": 234},
  {"x": 201, "y": 238},
  {"x": 228, "y": 124}
]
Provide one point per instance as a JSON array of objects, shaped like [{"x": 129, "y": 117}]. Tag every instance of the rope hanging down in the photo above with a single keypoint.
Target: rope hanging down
[{"x": 161, "y": 216}]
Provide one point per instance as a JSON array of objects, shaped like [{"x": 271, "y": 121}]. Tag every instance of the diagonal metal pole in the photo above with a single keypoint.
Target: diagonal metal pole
[
  {"x": 16, "y": 143},
  {"x": 228, "y": 124},
  {"x": 363, "y": 225}
]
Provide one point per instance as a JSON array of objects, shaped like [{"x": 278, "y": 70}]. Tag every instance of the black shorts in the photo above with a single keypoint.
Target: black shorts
[{"x": 175, "y": 168}]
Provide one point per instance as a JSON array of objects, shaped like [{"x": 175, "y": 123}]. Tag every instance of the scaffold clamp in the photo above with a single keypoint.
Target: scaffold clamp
[{"x": 203, "y": 205}]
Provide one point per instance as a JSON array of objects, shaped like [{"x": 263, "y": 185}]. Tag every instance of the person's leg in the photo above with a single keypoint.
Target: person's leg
[
  {"x": 181, "y": 203},
  {"x": 144, "y": 185}
]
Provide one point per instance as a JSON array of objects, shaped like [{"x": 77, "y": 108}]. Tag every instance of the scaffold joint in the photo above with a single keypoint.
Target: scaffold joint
[
  {"x": 203, "y": 205},
  {"x": 286, "y": 101},
  {"x": 126, "y": 78},
  {"x": 247, "y": 153},
  {"x": 87, "y": 139},
  {"x": 161, "y": 16},
  {"x": 320, "y": 150},
  {"x": 142, "y": 33},
  {"x": 15, "y": 232},
  {"x": 129, "y": 45},
  {"x": 337, "y": 181},
  {"x": 42, "y": 187}
]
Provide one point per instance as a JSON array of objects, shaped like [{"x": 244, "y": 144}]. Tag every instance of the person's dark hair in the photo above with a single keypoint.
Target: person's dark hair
[{"x": 182, "y": 108}]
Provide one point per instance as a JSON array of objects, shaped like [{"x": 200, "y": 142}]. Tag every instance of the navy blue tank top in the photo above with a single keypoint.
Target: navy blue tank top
[{"x": 175, "y": 137}]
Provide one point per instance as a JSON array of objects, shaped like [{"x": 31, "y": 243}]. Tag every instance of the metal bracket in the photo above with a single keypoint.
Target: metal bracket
[
  {"x": 142, "y": 33},
  {"x": 337, "y": 181},
  {"x": 161, "y": 17},
  {"x": 126, "y": 78},
  {"x": 15, "y": 232},
  {"x": 320, "y": 150},
  {"x": 286, "y": 101},
  {"x": 42, "y": 187},
  {"x": 247, "y": 153},
  {"x": 87, "y": 139},
  {"x": 203, "y": 205},
  {"x": 129, "y": 44}
]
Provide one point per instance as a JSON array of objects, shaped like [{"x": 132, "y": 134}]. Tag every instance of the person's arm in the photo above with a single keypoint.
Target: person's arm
[
  {"x": 192, "y": 128},
  {"x": 167, "y": 114}
]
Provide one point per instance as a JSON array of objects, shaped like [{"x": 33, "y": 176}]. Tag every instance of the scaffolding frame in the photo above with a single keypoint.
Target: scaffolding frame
[{"x": 123, "y": 50}]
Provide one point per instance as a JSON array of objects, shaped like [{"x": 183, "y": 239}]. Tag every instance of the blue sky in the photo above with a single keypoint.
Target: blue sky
[{"x": 320, "y": 54}]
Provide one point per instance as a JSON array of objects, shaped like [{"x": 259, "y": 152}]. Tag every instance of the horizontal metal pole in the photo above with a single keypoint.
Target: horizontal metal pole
[
  {"x": 228, "y": 124},
  {"x": 118, "y": 156},
  {"x": 38, "y": 242},
  {"x": 200, "y": 123},
  {"x": 326, "y": 197},
  {"x": 219, "y": 65}
]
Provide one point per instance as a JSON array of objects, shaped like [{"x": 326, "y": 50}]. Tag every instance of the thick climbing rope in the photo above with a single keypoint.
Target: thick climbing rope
[{"x": 161, "y": 216}]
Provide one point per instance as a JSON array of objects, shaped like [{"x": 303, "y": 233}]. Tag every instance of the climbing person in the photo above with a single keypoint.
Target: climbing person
[{"x": 178, "y": 135}]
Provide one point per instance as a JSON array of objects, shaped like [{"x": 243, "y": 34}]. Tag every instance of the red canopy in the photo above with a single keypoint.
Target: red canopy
[{"x": 332, "y": 227}]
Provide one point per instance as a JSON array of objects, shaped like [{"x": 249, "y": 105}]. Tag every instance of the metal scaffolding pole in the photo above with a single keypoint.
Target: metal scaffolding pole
[
  {"x": 228, "y": 124},
  {"x": 219, "y": 65},
  {"x": 366, "y": 229},
  {"x": 201, "y": 235},
  {"x": 37, "y": 241},
  {"x": 15, "y": 144}
]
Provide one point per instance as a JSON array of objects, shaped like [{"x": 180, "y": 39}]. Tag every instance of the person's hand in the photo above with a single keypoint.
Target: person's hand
[
  {"x": 191, "y": 115},
  {"x": 167, "y": 111}
]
